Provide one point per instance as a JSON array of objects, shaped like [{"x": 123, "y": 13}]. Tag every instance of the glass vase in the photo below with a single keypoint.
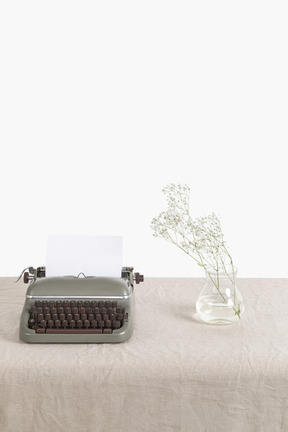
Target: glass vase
[{"x": 220, "y": 301}]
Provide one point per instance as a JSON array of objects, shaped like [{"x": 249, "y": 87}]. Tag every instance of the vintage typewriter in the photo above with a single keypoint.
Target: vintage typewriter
[{"x": 78, "y": 309}]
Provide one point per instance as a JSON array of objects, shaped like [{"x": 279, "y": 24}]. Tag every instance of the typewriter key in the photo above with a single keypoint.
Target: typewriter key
[
  {"x": 93, "y": 323},
  {"x": 31, "y": 322},
  {"x": 64, "y": 323},
  {"x": 86, "y": 323},
  {"x": 116, "y": 324}
]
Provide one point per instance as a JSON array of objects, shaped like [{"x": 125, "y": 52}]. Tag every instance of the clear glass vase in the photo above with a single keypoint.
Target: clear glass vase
[{"x": 220, "y": 301}]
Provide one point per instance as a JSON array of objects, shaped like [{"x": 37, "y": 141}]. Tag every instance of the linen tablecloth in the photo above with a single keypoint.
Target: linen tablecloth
[{"x": 174, "y": 374}]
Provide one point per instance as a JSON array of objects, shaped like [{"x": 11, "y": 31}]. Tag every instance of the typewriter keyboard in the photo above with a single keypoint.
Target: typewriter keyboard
[{"x": 65, "y": 317}]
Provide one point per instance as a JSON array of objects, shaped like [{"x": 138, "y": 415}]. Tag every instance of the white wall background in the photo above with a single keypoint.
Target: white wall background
[{"x": 104, "y": 103}]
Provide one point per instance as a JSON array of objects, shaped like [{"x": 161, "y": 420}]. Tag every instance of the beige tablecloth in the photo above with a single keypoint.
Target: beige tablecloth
[{"x": 175, "y": 373}]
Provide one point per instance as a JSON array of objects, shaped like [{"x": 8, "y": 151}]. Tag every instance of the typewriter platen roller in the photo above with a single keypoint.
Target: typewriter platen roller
[{"x": 78, "y": 309}]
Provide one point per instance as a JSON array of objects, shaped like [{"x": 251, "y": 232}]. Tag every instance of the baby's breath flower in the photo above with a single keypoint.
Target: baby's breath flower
[{"x": 201, "y": 238}]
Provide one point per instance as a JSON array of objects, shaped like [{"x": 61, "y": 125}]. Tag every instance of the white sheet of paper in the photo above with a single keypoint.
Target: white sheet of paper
[{"x": 92, "y": 255}]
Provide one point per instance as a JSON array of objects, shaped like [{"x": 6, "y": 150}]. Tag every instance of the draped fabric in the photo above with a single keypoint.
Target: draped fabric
[{"x": 174, "y": 374}]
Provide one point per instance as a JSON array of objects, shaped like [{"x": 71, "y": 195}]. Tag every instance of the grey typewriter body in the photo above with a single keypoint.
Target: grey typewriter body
[{"x": 71, "y": 309}]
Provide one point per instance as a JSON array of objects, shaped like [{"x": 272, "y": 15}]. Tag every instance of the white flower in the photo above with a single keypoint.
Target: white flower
[{"x": 201, "y": 238}]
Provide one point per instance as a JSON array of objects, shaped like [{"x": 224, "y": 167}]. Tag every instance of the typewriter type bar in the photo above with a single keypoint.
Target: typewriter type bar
[{"x": 79, "y": 310}]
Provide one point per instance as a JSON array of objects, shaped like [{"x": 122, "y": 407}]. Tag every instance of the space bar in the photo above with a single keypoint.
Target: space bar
[{"x": 73, "y": 331}]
